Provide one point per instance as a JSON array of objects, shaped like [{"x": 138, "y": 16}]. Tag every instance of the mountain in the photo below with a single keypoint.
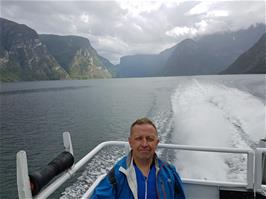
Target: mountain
[
  {"x": 205, "y": 55},
  {"x": 76, "y": 55},
  {"x": 139, "y": 66},
  {"x": 189, "y": 58},
  {"x": 143, "y": 65},
  {"x": 211, "y": 54},
  {"x": 252, "y": 61},
  {"x": 24, "y": 57}
]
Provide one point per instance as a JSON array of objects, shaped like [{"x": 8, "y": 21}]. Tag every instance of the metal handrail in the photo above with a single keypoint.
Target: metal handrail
[
  {"x": 69, "y": 173},
  {"x": 250, "y": 156},
  {"x": 249, "y": 153}
]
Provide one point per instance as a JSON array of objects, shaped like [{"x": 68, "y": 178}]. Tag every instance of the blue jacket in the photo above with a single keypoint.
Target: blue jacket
[{"x": 121, "y": 182}]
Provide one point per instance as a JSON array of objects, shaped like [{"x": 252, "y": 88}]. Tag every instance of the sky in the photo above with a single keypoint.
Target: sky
[{"x": 127, "y": 27}]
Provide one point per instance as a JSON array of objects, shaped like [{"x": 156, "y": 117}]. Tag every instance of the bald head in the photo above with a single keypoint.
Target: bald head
[{"x": 141, "y": 121}]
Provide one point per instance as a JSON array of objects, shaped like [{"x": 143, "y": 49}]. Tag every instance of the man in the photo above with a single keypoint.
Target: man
[{"x": 141, "y": 174}]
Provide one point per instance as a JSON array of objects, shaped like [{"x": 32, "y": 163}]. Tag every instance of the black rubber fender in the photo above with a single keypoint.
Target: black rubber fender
[{"x": 39, "y": 179}]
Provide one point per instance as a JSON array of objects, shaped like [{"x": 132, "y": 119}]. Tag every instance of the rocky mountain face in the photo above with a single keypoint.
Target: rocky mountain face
[
  {"x": 76, "y": 55},
  {"x": 252, "y": 61},
  {"x": 204, "y": 55},
  {"x": 24, "y": 57}
]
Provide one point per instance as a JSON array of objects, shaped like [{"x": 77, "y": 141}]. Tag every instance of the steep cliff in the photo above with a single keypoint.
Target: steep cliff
[
  {"x": 76, "y": 55},
  {"x": 252, "y": 61},
  {"x": 24, "y": 57}
]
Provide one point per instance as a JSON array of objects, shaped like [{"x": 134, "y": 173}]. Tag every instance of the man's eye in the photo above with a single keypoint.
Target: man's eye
[
  {"x": 150, "y": 139},
  {"x": 138, "y": 138}
]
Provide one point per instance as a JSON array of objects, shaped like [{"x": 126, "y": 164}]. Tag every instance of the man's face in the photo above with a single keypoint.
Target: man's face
[{"x": 143, "y": 141}]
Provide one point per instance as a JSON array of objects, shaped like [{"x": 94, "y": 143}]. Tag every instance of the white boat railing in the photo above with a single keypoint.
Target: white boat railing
[{"x": 253, "y": 179}]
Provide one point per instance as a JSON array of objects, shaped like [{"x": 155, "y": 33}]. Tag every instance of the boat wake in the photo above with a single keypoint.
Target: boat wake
[{"x": 211, "y": 114}]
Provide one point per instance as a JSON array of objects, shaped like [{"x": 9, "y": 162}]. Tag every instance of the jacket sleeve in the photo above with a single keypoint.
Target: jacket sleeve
[
  {"x": 179, "y": 193},
  {"x": 104, "y": 190}
]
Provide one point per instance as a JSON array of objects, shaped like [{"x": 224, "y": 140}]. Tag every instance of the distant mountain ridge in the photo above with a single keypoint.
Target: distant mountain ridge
[
  {"x": 25, "y": 55},
  {"x": 139, "y": 66},
  {"x": 252, "y": 61},
  {"x": 205, "y": 55},
  {"x": 143, "y": 65},
  {"x": 189, "y": 58}
]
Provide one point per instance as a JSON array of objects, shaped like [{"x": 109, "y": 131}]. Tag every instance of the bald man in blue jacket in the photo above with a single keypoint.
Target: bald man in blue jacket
[{"x": 141, "y": 174}]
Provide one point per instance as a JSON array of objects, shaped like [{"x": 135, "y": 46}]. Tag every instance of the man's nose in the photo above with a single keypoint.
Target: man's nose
[{"x": 144, "y": 142}]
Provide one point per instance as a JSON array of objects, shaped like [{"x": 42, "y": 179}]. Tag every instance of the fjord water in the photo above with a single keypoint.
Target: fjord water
[{"x": 200, "y": 110}]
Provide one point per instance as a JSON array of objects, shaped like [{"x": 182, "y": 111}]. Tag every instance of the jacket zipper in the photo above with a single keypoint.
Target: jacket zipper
[{"x": 146, "y": 188}]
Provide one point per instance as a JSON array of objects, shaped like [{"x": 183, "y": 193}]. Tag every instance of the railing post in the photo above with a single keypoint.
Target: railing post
[
  {"x": 263, "y": 145},
  {"x": 23, "y": 180},
  {"x": 250, "y": 170},
  {"x": 259, "y": 169},
  {"x": 67, "y": 142}
]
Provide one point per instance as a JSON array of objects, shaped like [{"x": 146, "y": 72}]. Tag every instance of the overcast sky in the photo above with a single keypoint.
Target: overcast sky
[{"x": 118, "y": 28}]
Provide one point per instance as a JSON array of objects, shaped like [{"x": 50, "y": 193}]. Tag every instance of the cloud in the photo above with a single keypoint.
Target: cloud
[
  {"x": 123, "y": 27},
  {"x": 200, "y": 8},
  {"x": 180, "y": 31}
]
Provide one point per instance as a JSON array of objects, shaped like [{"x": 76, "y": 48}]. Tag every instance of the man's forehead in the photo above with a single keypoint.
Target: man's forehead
[
  {"x": 143, "y": 126},
  {"x": 135, "y": 135},
  {"x": 144, "y": 129}
]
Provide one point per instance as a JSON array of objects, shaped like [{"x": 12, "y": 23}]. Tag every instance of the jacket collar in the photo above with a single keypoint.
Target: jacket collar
[
  {"x": 129, "y": 161},
  {"x": 130, "y": 173}
]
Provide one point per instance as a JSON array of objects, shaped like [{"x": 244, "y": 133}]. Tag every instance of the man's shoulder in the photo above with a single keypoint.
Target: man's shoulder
[
  {"x": 120, "y": 163},
  {"x": 114, "y": 175},
  {"x": 164, "y": 163},
  {"x": 167, "y": 167},
  {"x": 169, "y": 171}
]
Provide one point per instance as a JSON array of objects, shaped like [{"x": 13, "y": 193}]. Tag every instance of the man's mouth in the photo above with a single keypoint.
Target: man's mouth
[{"x": 144, "y": 150}]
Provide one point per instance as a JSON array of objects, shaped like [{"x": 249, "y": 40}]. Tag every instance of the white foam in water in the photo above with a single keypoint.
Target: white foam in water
[
  {"x": 208, "y": 114},
  {"x": 100, "y": 164}
]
